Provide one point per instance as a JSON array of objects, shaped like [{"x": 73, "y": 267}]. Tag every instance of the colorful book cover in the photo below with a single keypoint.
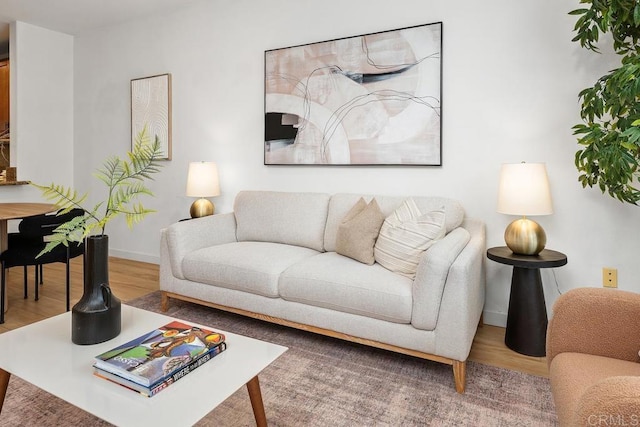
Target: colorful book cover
[
  {"x": 156, "y": 388},
  {"x": 156, "y": 355}
]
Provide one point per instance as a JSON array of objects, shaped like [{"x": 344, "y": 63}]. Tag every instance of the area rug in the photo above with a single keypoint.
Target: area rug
[{"x": 322, "y": 381}]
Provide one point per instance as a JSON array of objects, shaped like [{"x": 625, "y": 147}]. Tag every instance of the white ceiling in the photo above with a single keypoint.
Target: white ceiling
[{"x": 76, "y": 16}]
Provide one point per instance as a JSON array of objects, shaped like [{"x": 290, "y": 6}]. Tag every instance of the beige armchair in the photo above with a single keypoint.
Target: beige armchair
[{"x": 593, "y": 340}]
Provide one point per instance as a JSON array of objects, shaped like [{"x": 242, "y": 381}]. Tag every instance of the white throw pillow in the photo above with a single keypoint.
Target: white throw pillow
[{"x": 405, "y": 235}]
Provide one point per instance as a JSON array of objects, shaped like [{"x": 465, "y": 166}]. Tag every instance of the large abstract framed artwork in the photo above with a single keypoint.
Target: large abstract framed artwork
[
  {"x": 151, "y": 107},
  {"x": 373, "y": 99}
]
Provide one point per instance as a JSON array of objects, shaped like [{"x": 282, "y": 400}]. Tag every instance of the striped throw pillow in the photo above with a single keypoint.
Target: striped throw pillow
[{"x": 405, "y": 235}]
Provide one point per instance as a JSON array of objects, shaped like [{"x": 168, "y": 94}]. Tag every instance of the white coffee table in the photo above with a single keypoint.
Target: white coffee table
[{"x": 43, "y": 354}]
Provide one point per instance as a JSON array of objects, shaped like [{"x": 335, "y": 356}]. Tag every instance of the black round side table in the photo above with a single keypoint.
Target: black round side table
[{"x": 527, "y": 318}]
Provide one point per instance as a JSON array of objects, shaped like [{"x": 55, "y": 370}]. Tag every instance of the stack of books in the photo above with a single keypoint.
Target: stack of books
[{"x": 152, "y": 362}]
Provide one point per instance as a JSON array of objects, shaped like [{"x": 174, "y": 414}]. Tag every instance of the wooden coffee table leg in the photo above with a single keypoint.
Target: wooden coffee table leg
[
  {"x": 4, "y": 383},
  {"x": 255, "y": 396}
]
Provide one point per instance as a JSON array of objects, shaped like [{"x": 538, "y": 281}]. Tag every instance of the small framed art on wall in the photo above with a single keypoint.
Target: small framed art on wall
[{"x": 151, "y": 107}]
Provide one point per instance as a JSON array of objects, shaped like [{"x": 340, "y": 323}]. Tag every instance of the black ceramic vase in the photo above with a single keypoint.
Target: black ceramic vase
[{"x": 96, "y": 317}]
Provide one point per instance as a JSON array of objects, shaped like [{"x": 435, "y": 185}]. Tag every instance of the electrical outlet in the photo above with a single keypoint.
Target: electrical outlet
[{"x": 609, "y": 277}]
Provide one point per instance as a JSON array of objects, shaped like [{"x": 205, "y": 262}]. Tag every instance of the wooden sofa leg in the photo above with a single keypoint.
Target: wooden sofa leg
[
  {"x": 164, "y": 302},
  {"x": 460, "y": 375}
]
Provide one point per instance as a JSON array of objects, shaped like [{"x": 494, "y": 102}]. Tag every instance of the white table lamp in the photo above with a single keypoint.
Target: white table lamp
[
  {"x": 524, "y": 190},
  {"x": 202, "y": 181}
]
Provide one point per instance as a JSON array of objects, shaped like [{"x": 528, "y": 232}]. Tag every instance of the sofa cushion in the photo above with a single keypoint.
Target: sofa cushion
[
  {"x": 340, "y": 204},
  {"x": 291, "y": 218},
  {"x": 405, "y": 235},
  {"x": 572, "y": 374},
  {"x": 359, "y": 230},
  {"x": 245, "y": 266},
  {"x": 332, "y": 281}
]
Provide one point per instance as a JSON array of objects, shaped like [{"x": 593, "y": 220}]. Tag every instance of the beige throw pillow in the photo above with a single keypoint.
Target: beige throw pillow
[
  {"x": 358, "y": 231},
  {"x": 405, "y": 235}
]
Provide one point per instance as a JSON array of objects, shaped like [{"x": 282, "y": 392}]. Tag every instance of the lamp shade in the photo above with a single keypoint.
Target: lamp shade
[
  {"x": 202, "y": 180},
  {"x": 524, "y": 190}
]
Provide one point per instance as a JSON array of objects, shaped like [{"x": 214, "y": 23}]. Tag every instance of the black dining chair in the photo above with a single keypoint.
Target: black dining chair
[{"x": 24, "y": 247}]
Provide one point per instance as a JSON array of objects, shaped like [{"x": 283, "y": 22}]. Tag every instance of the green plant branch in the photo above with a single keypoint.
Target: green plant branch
[
  {"x": 609, "y": 137},
  {"x": 125, "y": 184}
]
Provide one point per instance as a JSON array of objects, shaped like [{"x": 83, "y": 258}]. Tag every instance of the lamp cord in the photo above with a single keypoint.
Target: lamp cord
[{"x": 553, "y": 270}]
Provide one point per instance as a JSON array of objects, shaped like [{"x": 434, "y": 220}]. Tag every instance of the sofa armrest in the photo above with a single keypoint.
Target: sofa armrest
[
  {"x": 431, "y": 276},
  {"x": 187, "y": 236},
  {"x": 614, "y": 399},
  {"x": 463, "y": 297},
  {"x": 602, "y": 322}
]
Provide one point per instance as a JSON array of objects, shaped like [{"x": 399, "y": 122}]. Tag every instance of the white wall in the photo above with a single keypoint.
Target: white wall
[
  {"x": 41, "y": 103},
  {"x": 511, "y": 79}
]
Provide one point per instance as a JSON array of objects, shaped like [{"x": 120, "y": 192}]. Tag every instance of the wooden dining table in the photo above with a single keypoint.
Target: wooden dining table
[{"x": 18, "y": 210}]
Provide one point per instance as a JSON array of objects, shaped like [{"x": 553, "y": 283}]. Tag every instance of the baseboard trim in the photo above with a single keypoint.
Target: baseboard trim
[
  {"x": 495, "y": 318},
  {"x": 134, "y": 256}
]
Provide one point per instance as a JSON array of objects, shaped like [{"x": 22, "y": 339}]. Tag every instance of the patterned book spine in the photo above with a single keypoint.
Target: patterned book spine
[{"x": 156, "y": 388}]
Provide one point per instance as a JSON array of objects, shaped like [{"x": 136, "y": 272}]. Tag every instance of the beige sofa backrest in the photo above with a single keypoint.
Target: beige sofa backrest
[
  {"x": 311, "y": 219},
  {"x": 341, "y": 203},
  {"x": 293, "y": 218}
]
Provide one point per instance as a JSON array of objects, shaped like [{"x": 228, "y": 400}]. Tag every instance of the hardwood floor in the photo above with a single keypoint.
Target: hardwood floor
[
  {"x": 132, "y": 279},
  {"x": 488, "y": 348},
  {"x": 128, "y": 280}
]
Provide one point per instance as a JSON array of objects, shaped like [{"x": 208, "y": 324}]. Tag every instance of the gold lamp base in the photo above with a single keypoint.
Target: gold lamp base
[
  {"x": 201, "y": 207},
  {"x": 525, "y": 237}
]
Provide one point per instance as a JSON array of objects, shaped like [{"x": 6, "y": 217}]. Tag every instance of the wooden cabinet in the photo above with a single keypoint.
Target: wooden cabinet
[
  {"x": 4, "y": 114},
  {"x": 4, "y": 94}
]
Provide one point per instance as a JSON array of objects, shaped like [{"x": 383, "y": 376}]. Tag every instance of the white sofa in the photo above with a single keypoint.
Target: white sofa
[{"x": 274, "y": 259}]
